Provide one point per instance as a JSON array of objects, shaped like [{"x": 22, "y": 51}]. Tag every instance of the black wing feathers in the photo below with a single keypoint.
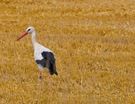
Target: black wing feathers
[{"x": 49, "y": 62}]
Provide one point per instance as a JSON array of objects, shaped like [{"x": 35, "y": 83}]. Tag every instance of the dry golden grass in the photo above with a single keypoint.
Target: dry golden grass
[{"x": 93, "y": 42}]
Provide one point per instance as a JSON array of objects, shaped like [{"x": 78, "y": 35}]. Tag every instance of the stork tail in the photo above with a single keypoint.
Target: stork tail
[{"x": 52, "y": 68}]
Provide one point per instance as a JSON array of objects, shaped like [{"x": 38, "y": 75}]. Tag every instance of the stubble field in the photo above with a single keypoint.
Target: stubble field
[{"x": 94, "y": 46}]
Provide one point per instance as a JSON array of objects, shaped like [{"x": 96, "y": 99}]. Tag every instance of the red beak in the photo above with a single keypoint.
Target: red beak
[{"x": 22, "y": 35}]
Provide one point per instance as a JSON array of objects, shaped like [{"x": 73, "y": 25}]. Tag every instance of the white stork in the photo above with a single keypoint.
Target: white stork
[{"x": 43, "y": 56}]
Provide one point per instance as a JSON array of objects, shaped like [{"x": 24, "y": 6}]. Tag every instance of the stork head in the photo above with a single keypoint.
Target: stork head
[{"x": 29, "y": 30}]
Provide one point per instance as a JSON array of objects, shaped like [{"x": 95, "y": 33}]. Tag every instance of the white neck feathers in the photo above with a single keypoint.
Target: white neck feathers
[{"x": 33, "y": 37}]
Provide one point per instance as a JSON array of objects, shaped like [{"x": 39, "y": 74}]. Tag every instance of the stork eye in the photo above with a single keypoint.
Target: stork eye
[{"x": 28, "y": 29}]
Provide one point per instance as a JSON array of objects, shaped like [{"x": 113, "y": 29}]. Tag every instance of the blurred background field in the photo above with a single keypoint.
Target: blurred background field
[{"x": 94, "y": 46}]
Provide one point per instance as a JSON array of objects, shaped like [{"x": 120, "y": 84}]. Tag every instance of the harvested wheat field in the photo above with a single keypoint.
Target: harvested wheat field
[{"x": 94, "y": 46}]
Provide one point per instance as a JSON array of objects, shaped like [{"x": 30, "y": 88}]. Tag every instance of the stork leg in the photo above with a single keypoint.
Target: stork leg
[
  {"x": 50, "y": 82},
  {"x": 40, "y": 80}
]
